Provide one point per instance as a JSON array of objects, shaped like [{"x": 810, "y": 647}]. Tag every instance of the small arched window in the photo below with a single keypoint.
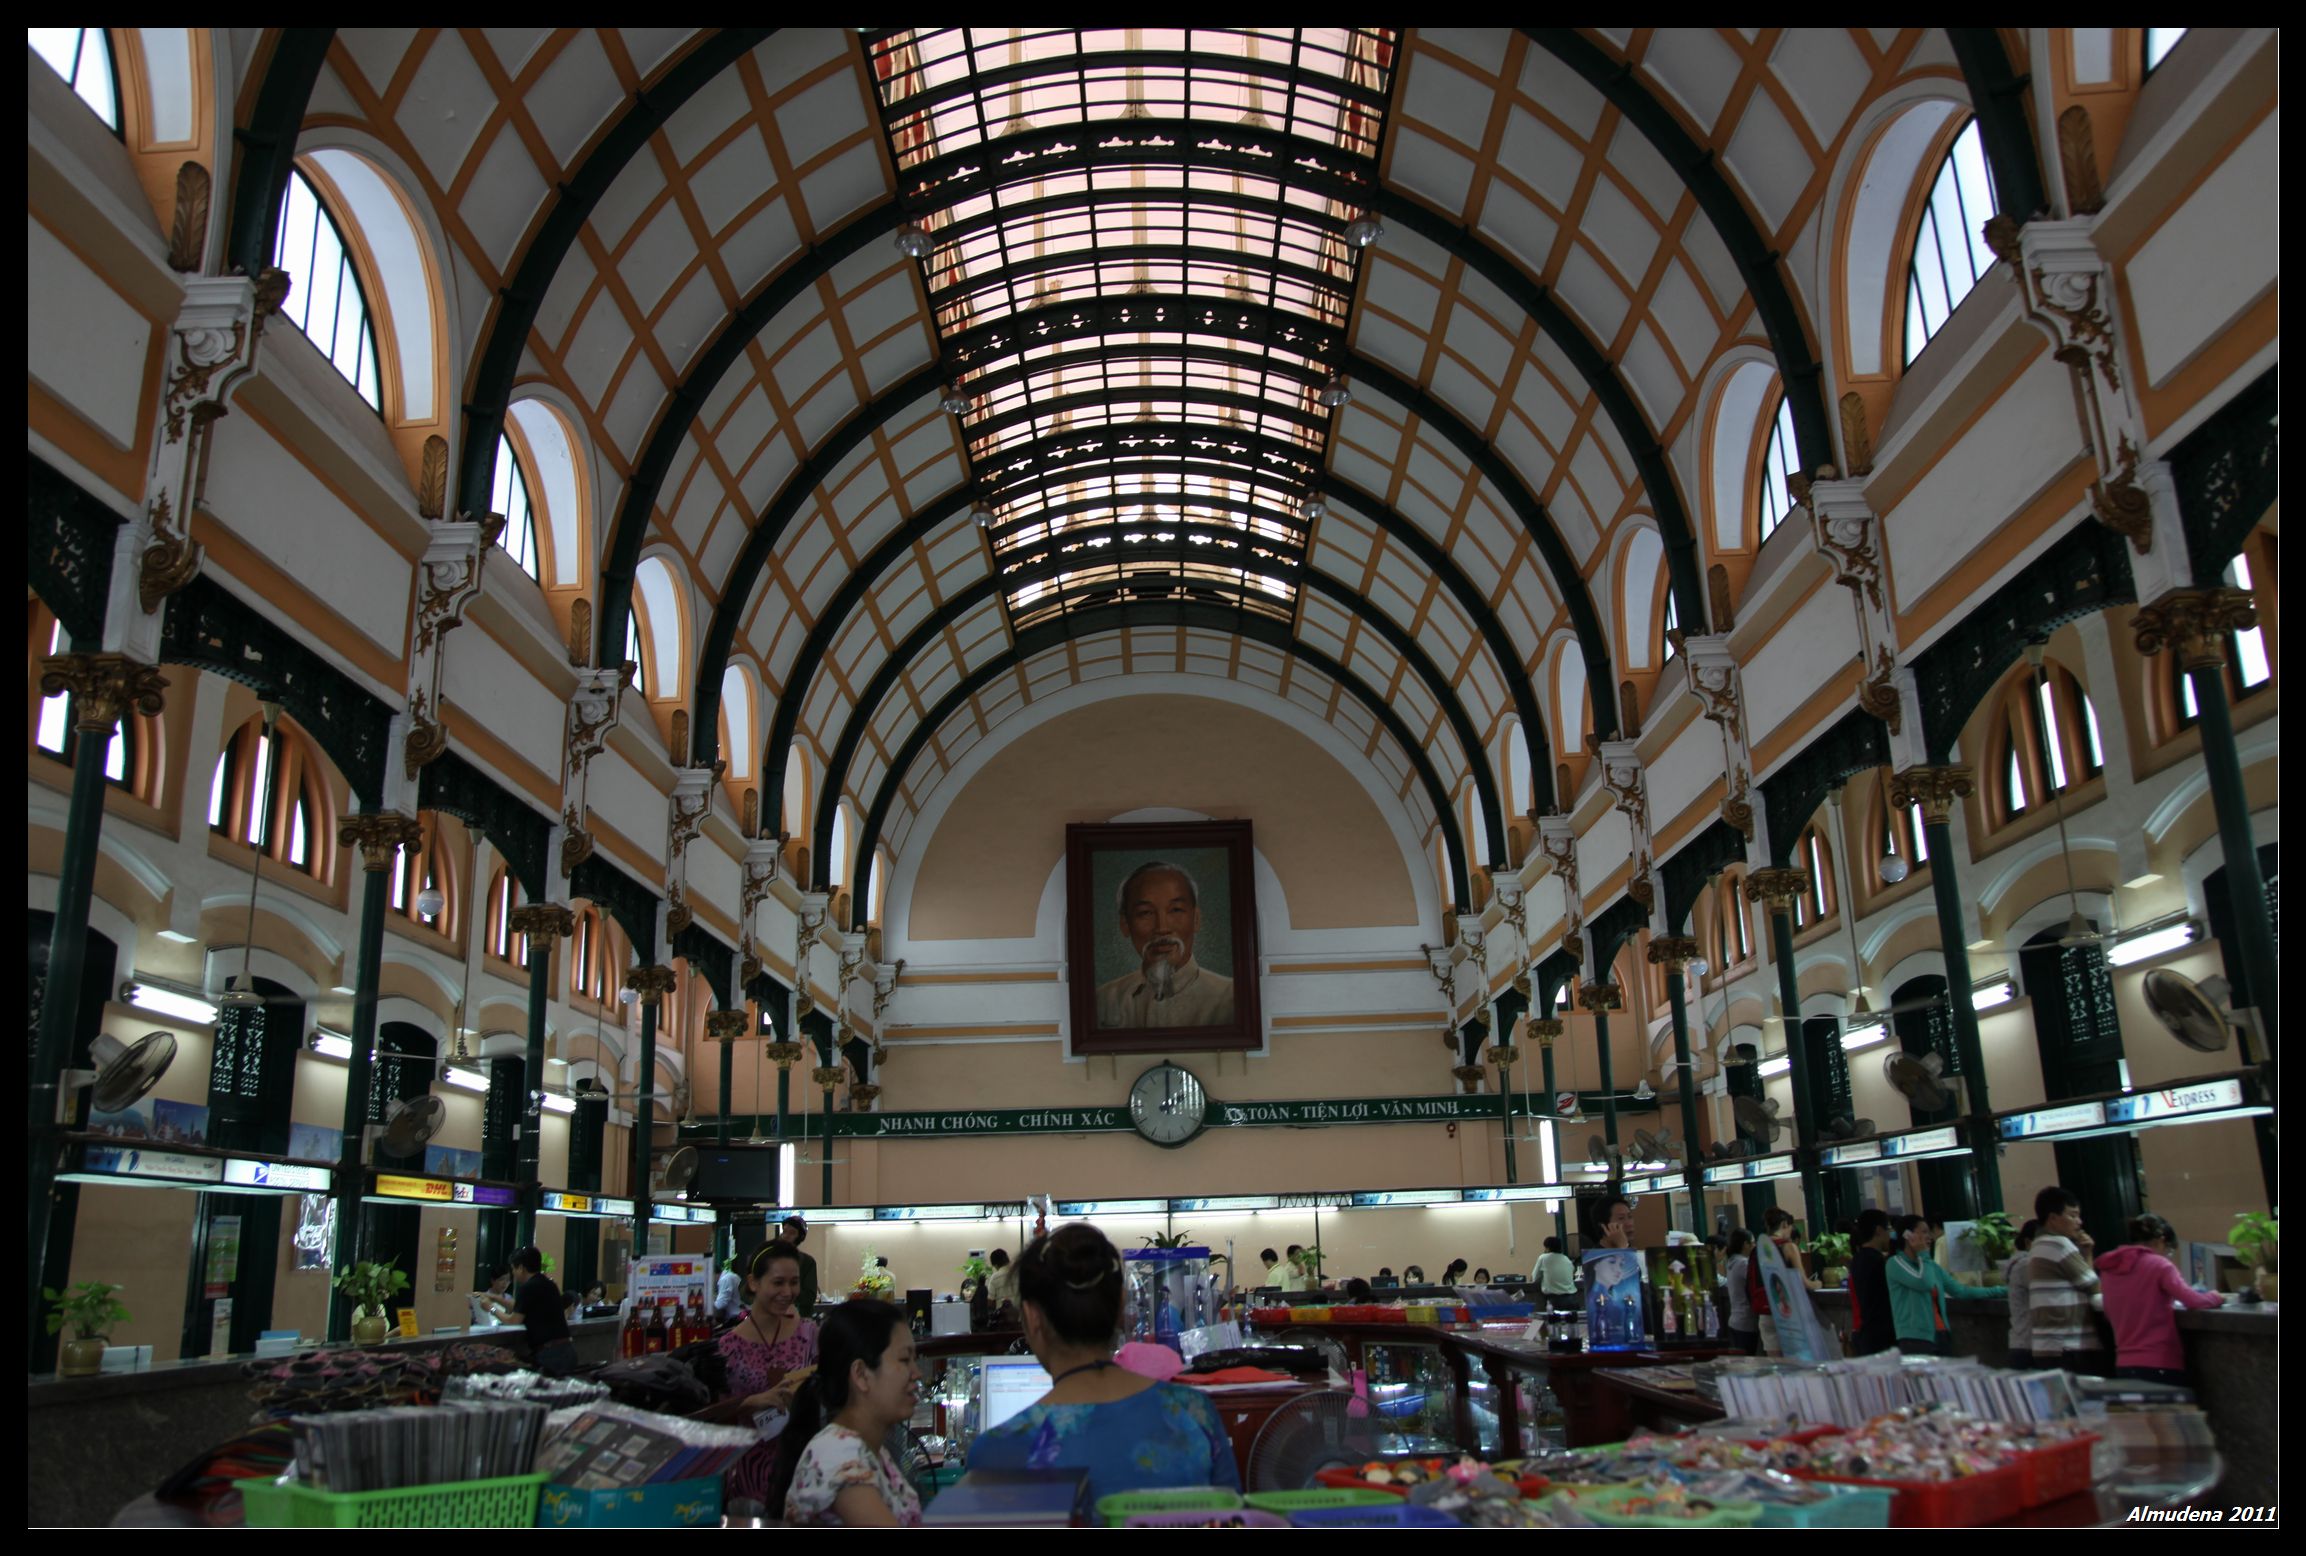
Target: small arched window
[
  {"x": 326, "y": 300},
  {"x": 836, "y": 870},
  {"x": 2049, "y": 740},
  {"x": 2249, "y": 667},
  {"x": 882, "y": 864},
  {"x": 638, "y": 677},
  {"x": 597, "y": 967},
  {"x": 265, "y": 793},
  {"x": 1780, "y": 460},
  {"x": 1903, "y": 836},
  {"x": 53, "y": 733},
  {"x": 83, "y": 57},
  {"x": 1816, "y": 902},
  {"x": 2159, "y": 42},
  {"x": 1672, "y": 627},
  {"x": 504, "y": 895},
  {"x": 510, "y": 498},
  {"x": 1950, "y": 253},
  {"x": 1521, "y": 790},
  {"x": 427, "y": 867},
  {"x": 1732, "y": 940}
]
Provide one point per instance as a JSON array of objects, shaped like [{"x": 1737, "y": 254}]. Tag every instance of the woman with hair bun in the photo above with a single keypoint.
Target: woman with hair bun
[
  {"x": 833, "y": 1471},
  {"x": 1128, "y": 1432}
]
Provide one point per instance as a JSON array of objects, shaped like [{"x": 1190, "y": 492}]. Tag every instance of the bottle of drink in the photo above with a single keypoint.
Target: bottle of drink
[
  {"x": 700, "y": 1322},
  {"x": 633, "y": 1340},
  {"x": 1668, "y": 1320},
  {"x": 653, "y": 1340}
]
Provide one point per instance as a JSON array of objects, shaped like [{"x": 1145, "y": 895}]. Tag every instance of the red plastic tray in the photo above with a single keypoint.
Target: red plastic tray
[
  {"x": 1972, "y": 1500},
  {"x": 2058, "y": 1471}
]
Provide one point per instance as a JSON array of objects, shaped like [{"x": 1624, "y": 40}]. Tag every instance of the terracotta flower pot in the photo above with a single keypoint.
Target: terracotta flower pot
[{"x": 81, "y": 1358}]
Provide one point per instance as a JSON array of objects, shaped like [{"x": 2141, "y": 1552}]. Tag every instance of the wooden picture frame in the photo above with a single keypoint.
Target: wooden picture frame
[{"x": 1117, "y": 969}]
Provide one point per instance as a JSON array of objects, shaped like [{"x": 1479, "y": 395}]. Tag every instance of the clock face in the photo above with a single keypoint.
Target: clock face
[{"x": 1167, "y": 1105}]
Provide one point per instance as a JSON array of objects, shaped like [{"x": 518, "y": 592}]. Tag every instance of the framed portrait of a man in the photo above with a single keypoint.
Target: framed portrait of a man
[{"x": 1161, "y": 932}]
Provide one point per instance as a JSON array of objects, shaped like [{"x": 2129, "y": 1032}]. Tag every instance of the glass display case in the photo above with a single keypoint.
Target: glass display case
[
  {"x": 1168, "y": 1297},
  {"x": 1414, "y": 1390}
]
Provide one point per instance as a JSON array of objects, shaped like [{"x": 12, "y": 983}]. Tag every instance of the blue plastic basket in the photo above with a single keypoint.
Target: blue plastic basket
[
  {"x": 1857, "y": 1507},
  {"x": 1394, "y": 1515}
]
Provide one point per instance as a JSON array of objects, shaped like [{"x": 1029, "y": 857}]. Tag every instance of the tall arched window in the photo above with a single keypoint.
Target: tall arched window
[
  {"x": 1816, "y": 902},
  {"x": 836, "y": 870},
  {"x": 1732, "y": 940},
  {"x": 83, "y": 57},
  {"x": 326, "y": 301},
  {"x": 597, "y": 962},
  {"x": 1902, "y": 836},
  {"x": 1782, "y": 459},
  {"x": 266, "y": 793},
  {"x": 430, "y": 866},
  {"x": 510, "y": 498},
  {"x": 1950, "y": 253},
  {"x": 1672, "y": 627},
  {"x": 882, "y": 865},
  {"x": 2249, "y": 667},
  {"x": 634, "y": 656},
  {"x": 504, "y": 895},
  {"x": 2049, "y": 740}
]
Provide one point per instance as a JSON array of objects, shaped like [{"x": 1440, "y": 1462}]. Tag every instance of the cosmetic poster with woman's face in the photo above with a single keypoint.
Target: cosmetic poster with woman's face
[{"x": 1614, "y": 1320}]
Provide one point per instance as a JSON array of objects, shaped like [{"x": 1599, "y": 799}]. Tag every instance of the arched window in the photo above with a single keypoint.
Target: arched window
[
  {"x": 2159, "y": 42},
  {"x": 265, "y": 792},
  {"x": 2049, "y": 739},
  {"x": 597, "y": 965},
  {"x": 326, "y": 301},
  {"x": 882, "y": 864},
  {"x": 504, "y": 895},
  {"x": 2249, "y": 667},
  {"x": 52, "y": 728},
  {"x": 796, "y": 810},
  {"x": 1520, "y": 787},
  {"x": 1732, "y": 940},
  {"x": 1672, "y": 628},
  {"x": 510, "y": 498},
  {"x": 83, "y": 57},
  {"x": 836, "y": 869},
  {"x": 1780, "y": 460},
  {"x": 427, "y": 867},
  {"x": 1816, "y": 902},
  {"x": 1950, "y": 253}
]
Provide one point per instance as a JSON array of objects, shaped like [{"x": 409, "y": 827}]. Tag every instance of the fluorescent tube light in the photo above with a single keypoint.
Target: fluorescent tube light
[
  {"x": 167, "y": 1002},
  {"x": 1864, "y": 1037},
  {"x": 331, "y": 1045},
  {"x": 556, "y": 1103},
  {"x": 1777, "y": 1065},
  {"x": 1987, "y": 995},
  {"x": 2150, "y": 942},
  {"x": 470, "y": 1080}
]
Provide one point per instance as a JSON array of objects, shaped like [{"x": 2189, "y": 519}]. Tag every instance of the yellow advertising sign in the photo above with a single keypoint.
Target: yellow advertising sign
[
  {"x": 408, "y": 1323},
  {"x": 416, "y": 1188}
]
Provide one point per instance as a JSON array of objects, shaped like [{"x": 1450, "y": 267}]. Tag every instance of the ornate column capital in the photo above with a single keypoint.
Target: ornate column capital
[
  {"x": 1775, "y": 889},
  {"x": 1935, "y": 789},
  {"x": 1545, "y": 1029},
  {"x": 783, "y": 1055},
  {"x": 379, "y": 835},
  {"x": 827, "y": 1076},
  {"x": 103, "y": 687},
  {"x": 652, "y": 983},
  {"x": 1600, "y": 998},
  {"x": 1671, "y": 951},
  {"x": 2193, "y": 623},
  {"x": 1504, "y": 1054},
  {"x": 862, "y": 1095},
  {"x": 726, "y": 1026},
  {"x": 1468, "y": 1076},
  {"x": 541, "y": 920}
]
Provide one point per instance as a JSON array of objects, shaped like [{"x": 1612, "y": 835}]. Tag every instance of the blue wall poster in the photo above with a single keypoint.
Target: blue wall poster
[{"x": 1614, "y": 1320}]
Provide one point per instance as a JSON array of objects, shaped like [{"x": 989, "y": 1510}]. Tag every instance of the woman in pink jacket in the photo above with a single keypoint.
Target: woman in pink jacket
[{"x": 2140, "y": 1283}]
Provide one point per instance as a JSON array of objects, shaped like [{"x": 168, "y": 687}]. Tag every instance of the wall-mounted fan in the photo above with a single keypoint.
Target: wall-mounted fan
[
  {"x": 2199, "y": 1015},
  {"x": 407, "y": 1126},
  {"x": 1659, "y": 1147},
  {"x": 1728, "y": 1150},
  {"x": 1758, "y": 1118},
  {"x": 1844, "y": 1127},
  {"x": 1919, "y": 1079},
  {"x": 122, "y": 1074},
  {"x": 678, "y": 1170},
  {"x": 1602, "y": 1154}
]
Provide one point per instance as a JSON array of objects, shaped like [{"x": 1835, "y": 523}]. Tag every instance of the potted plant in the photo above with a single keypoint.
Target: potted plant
[
  {"x": 1830, "y": 1255},
  {"x": 1170, "y": 1240},
  {"x": 2257, "y": 1242},
  {"x": 89, "y": 1310},
  {"x": 371, "y": 1287},
  {"x": 1995, "y": 1239}
]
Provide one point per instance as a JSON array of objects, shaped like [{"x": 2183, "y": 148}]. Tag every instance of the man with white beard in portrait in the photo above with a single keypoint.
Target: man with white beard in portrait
[{"x": 1160, "y": 912}]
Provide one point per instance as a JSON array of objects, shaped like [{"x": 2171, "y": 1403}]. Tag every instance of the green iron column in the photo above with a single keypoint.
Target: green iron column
[
  {"x": 1936, "y": 790},
  {"x": 1774, "y": 890},
  {"x": 380, "y": 836},
  {"x": 652, "y": 984},
  {"x": 725, "y": 1027},
  {"x": 1671, "y": 952},
  {"x": 817, "y": 1027},
  {"x": 103, "y": 687},
  {"x": 1511, "y": 1005},
  {"x": 1547, "y": 1030},
  {"x": 1599, "y": 999},
  {"x": 540, "y": 923},
  {"x": 2194, "y": 624}
]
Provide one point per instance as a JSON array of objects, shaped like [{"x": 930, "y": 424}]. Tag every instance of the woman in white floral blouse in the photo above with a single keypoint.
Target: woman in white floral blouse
[{"x": 834, "y": 1472}]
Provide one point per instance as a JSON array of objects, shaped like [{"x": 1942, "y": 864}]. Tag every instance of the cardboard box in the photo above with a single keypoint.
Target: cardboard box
[{"x": 668, "y": 1504}]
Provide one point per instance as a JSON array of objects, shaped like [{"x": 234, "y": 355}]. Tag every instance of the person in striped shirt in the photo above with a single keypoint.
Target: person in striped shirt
[{"x": 2060, "y": 1282}]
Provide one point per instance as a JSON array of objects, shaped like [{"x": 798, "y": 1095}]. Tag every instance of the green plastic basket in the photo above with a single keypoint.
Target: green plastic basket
[
  {"x": 1601, "y": 1507},
  {"x": 1286, "y": 1502},
  {"x": 1854, "y": 1507},
  {"x": 1119, "y": 1508},
  {"x": 509, "y": 1503}
]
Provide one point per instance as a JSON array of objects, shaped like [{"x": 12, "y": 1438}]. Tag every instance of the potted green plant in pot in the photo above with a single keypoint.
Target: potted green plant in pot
[
  {"x": 371, "y": 1288},
  {"x": 1995, "y": 1239},
  {"x": 89, "y": 1310},
  {"x": 1830, "y": 1256},
  {"x": 2257, "y": 1242}
]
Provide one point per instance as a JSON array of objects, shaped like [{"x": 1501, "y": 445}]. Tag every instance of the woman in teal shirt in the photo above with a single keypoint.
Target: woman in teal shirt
[
  {"x": 1918, "y": 1286},
  {"x": 1128, "y": 1432}
]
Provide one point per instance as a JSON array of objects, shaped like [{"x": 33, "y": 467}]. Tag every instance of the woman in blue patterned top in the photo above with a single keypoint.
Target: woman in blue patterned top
[{"x": 1128, "y": 1432}]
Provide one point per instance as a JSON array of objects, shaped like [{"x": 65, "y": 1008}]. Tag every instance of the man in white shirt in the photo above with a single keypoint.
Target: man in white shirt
[
  {"x": 1160, "y": 912},
  {"x": 1556, "y": 1276}
]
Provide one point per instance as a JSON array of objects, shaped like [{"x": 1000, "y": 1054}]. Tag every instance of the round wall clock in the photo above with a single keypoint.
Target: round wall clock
[{"x": 1167, "y": 1105}]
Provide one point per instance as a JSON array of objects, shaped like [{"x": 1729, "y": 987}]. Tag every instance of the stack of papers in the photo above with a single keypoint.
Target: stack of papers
[
  {"x": 406, "y": 1445},
  {"x": 611, "y": 1447}
]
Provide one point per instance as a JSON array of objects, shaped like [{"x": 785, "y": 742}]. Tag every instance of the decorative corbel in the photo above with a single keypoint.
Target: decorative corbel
[
  {"x": 814, "y": 906},
  {"x": 1715, "y": 682},
  {"x": 212, "y": 349},
  {"x": 448, "y": 580},
  {"x": 1557, "y": 840},
  {"x": 760, "y": 867},
  {"x": 592, "y": 713},
  {"x": 692, "y": 801}
]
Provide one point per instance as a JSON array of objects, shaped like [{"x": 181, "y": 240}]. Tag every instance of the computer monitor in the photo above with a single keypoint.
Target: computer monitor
[{"x": 1010, "y": 1383}]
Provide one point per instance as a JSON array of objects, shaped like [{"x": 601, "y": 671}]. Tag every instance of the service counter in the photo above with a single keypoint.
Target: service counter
[{"x": 92, "y": 1444}]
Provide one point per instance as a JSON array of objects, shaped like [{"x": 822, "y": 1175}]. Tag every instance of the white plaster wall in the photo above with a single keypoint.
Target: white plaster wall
[
  {"x": 83, "y": 343},
  {"x": 2218, "y": 254},
  {"x": 1790, "y": 667},
  {"x": 625, "y": 800},
  {"x": 487, "y": 683},
  {"x": 1680, "y": 773}
]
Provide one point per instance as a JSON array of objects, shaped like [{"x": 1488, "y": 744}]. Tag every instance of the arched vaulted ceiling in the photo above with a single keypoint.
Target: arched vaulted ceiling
[{"x": 1137, "y": 276}]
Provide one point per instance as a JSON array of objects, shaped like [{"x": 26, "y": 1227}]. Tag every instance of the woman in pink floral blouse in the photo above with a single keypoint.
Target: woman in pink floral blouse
[
  {"x": 834, "y": 1471},
  {"x": 762, "y": 1354}
]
